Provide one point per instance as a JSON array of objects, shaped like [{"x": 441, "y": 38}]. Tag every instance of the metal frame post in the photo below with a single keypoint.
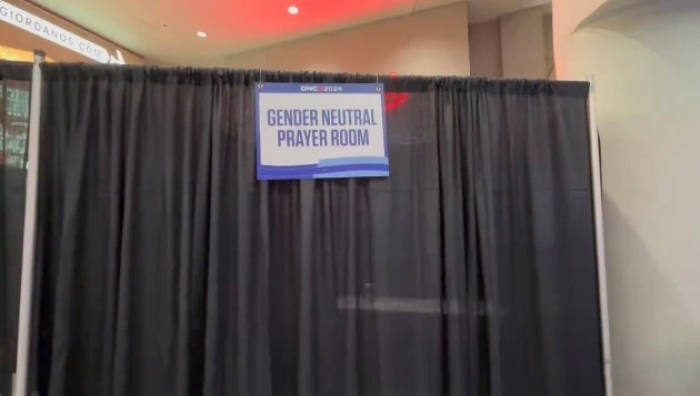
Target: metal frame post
[
  {"x": 597, "y": 184},
  {"x": 21, "y": 381}
]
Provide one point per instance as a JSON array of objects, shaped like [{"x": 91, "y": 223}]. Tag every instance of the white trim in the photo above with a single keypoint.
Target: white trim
[
  {"x": 597, "y": 182},
  {"x": 27, "y": 282}
]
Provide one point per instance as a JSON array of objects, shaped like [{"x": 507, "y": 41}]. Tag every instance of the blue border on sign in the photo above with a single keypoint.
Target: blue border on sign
[{"x": 325, "y": 169}]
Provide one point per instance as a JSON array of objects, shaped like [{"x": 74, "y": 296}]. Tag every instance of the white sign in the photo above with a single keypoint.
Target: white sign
[
  {"x": 57, "y": 35},
  {"x": 316, "y": 131}
]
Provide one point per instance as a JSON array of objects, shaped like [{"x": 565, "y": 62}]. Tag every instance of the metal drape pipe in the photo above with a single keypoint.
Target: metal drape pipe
[
  {"x": 597, "y": 184},
  {"x": 29, "y": 238}
]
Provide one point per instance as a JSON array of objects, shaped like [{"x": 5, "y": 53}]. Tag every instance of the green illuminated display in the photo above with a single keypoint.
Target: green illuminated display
[{"x": 14, "y": 123}]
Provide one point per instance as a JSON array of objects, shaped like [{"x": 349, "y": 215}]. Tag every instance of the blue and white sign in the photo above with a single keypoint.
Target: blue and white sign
[{"x": 321, "y": 131}]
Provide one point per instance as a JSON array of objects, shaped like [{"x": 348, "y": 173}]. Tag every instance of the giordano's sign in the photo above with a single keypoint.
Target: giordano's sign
[{"x": 48, "y": 31}]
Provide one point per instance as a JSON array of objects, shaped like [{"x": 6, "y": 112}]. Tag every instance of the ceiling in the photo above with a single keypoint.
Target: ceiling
[
  {"x": 609, "y": 7},
  {"x": 486, "y": 10},
  {"x": 165, "y": 31}
]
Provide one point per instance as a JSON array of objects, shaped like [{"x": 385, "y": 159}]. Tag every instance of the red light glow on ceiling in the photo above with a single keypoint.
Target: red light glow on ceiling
[{"x": 272, "y": 18}]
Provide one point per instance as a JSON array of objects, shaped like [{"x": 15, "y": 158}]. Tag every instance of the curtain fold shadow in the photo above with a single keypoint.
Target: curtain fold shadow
[{"x": 167, "y": 268}]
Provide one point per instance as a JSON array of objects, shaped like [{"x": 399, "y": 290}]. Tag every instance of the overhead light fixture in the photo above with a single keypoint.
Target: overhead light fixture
[
  {"x": 201, "y": 35},
  {"x": 293, "y": 10}
]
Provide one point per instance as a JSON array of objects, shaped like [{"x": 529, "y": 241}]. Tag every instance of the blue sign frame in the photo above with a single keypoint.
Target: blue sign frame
[{"x": 350, "y": 167}]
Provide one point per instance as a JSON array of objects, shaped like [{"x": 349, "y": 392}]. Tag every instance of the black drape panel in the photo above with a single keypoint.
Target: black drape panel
[
  {"x": 168, "y": 269},
  {"x": 13, "y": 76}
]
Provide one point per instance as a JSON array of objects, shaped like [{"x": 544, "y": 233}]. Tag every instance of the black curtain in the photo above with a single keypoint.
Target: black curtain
[
  {"x": 13, "y": 77},
  {"x": 167, "y": 269}
]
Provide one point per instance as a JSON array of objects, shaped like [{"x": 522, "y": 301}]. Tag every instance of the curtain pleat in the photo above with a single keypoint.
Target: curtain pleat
[{"x": 167, "y": 268}]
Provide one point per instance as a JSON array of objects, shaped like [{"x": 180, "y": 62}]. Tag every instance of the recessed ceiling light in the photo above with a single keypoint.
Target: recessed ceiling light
[
  {"x": 201, "y": 35},
  {"x": 293, "y": 10}
]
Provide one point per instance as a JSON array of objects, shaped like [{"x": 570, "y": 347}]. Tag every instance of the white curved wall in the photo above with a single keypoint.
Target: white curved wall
[
  {"x": 646, "y": 63},
  {"x": 433, "y": 42}
]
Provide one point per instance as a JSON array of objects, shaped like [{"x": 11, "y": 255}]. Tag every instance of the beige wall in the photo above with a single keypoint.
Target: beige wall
[
  {"x": 13, "y": 37},
  {"x": 523, "y": 46},
  {"x": 516, "y": 45},
  {"x": 568, "y": 14},
  {"x": 645, "y": 60},
  {"x": 485, "y": 49},
  {"x": 433, "y": 42}
]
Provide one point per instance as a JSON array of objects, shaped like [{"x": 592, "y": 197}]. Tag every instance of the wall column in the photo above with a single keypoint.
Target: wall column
[{"x": 645, "y": 59}]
